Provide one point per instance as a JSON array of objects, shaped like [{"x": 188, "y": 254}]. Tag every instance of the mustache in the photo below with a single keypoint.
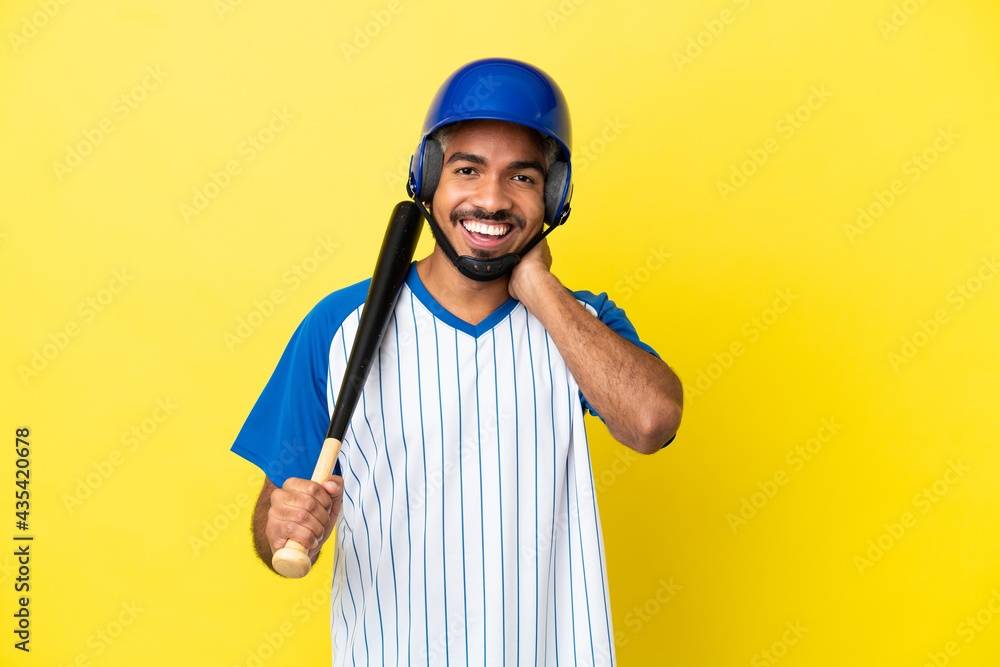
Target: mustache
[{"x": 503, "y": 215}]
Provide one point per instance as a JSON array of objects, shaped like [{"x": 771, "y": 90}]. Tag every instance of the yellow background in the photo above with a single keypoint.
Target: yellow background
[{"x": 669, "y": 98}]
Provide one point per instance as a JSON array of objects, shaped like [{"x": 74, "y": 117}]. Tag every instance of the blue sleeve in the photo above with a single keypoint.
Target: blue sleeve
[
  {"x": 615, "y": 318},
  {"x": 286, "y": 427}
]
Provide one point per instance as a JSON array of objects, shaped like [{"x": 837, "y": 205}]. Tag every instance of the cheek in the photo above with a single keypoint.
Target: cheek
[
  {"x": 441, "y": 202},
  {"x": 447, "y": 194},
  {"x": 533, "y": 205}
]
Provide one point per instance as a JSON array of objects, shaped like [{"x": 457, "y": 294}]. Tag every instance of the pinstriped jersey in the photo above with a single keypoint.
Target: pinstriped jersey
[{"x": 469, "y": 532}]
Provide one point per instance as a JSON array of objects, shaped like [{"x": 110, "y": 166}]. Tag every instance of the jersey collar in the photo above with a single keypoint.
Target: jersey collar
[{"x": 475, "y": 330}]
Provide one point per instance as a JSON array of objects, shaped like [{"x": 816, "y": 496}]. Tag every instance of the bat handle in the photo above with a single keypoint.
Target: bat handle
[{"x": 292, "y": 560}]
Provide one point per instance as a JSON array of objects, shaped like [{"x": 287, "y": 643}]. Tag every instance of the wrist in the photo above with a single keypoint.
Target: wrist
[{"x": 535, "y": 285}]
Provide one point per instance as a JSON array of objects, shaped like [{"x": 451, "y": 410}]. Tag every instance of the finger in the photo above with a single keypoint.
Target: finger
[
  {"x": 300, "y": 505},
  {"x": 307, "y": 487},
  {"x": 292, "y": 523},
  {"x": 546, "y": 253},
  {"x": 334, "y": 485},
  {"x": 297, "y": 506},
  {"x": 307, "y": 495}
]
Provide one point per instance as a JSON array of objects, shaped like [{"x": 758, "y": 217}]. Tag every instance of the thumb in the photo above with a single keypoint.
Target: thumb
[{"x": 334, "y": 485}]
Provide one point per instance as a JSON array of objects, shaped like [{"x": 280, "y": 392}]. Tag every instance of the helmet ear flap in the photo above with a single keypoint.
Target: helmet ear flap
[
  {"x": 555, "y": 186},
  {"x": 430, "y": 169}
]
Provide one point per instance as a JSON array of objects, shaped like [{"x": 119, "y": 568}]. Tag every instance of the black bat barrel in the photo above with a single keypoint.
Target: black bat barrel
[{"x": 393, "y": 262}]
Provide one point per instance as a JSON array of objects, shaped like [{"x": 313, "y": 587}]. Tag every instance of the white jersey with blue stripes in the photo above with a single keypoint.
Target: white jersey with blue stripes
[{"x": 469, "y": 532}]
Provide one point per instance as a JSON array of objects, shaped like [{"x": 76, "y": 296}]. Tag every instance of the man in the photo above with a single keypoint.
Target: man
[{"x": 467, "y": 524}]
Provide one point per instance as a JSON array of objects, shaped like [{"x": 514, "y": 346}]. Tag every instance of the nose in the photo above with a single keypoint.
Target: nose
[{"x": 491, "y": 194}]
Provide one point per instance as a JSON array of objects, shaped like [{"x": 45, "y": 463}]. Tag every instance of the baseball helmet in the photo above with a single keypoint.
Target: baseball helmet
[{"x": 499, "y": 89}]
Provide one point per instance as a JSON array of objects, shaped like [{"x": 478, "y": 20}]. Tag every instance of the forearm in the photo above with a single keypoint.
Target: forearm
[
  {"x": 636, "y": 394},
  {"x": 258, "y": 524}
]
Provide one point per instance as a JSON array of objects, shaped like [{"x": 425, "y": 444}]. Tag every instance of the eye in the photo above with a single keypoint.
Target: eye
[
  {"x": 465, "y": 171},
  {"x": 524, "y": 178}
]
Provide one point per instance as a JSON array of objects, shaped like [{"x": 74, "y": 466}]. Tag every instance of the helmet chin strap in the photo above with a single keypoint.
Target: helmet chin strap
[{"x": 482, "y": 270}]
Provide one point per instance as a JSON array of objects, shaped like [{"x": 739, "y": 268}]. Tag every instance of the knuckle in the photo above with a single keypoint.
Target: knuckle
[
  {"x": 310, "y": 504},
  {"x": 291, "y": 531}
]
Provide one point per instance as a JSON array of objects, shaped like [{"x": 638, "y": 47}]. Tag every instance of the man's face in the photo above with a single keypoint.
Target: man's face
[{"x": 490, "y": 199}]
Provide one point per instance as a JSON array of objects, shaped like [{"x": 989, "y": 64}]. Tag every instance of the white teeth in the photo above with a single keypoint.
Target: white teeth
[{"x": 483, "y": 228}]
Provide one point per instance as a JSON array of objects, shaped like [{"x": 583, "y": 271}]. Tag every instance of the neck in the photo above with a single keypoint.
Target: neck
[{"x": 469, "y": 300}]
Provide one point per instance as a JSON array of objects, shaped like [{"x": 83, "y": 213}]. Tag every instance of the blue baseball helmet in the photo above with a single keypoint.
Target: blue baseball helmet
[{"x": 499, "y": 89}]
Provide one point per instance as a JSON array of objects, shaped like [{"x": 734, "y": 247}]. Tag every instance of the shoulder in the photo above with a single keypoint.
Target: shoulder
[
  {"x": 329, "y": 314},
  {"x": 597, "y": 303},
  {"x": 604, "y": 309}
]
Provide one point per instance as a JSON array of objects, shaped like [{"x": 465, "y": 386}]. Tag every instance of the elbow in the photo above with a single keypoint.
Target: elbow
[{"x": 657, "y": 427}]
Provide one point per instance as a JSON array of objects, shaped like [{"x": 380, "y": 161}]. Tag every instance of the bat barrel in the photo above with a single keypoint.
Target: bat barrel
[{"x": 398, "y": 246}]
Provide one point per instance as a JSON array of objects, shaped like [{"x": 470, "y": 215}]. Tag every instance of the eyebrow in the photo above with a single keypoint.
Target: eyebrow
[
  {"x": 481, "y": 161},
  {"x": 467, "y": 157},
  {"x": 521, "y": 165}
]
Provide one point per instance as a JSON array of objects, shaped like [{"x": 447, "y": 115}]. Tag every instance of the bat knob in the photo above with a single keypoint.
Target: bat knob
[{"x": 291, "y": 561}]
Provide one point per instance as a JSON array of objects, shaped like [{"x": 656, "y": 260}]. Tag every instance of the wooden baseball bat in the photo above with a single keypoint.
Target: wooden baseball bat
[{"x": 393, "y": 262}]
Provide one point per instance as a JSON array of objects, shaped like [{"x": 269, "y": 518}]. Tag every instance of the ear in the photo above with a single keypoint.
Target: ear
[
  {"x": 555, "y": 185},
  {"x": 430, "y": 169}
]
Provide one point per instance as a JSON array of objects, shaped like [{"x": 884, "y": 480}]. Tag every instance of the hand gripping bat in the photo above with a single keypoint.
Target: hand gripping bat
[{"x": 393, "y": 262}]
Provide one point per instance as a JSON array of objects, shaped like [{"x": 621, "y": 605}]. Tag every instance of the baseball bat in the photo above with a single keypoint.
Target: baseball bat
[{"x": 398, "y": 246}]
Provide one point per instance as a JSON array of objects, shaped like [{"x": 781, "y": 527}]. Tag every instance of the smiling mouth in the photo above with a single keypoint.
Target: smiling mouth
[{"x": 490, "y": 230}]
